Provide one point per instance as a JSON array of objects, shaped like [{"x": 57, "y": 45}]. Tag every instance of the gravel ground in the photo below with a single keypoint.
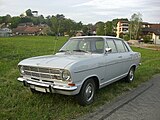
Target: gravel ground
[{"x": 143, "y": 103}]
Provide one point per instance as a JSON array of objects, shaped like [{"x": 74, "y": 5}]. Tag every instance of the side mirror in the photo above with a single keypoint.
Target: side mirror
[{"x": 108, "y": 50}]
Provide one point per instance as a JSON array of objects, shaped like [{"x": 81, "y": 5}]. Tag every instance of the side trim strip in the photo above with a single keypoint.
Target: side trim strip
[{"x": 113, "y": 80}]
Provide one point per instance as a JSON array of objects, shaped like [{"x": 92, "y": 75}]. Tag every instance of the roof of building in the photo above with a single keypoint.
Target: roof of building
[
  {"x": 157, "y": 32},
  {"x": 26, "y": 29},
  {"x": 152, "y": 30}
]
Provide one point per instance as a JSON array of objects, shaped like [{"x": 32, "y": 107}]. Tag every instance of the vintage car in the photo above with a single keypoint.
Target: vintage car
[{"x": 83, "y": 65}]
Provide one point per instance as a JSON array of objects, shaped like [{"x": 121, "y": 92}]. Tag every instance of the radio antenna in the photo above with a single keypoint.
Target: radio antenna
[{"x": 59, "y": 18}]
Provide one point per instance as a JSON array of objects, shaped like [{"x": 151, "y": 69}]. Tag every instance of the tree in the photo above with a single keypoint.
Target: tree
[
  {"x": 6, "y": 19},
  {"x": 85, "y": 29},
  {"x": 15, "y": 21},
  {"x": 100, "y": 28},
  {"x": 54, "y": 24},
  {"x": 41, "y": 19},
  {"x": 109, "y": 28},
  {"x": 135, "y": 25},
  {"x": 25, "y": 20}
]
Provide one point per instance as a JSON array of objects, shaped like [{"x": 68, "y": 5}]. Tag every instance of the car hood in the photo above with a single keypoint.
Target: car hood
[{"x": 54, "y": 61}]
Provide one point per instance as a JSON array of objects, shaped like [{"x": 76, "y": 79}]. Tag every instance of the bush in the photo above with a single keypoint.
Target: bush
[
  {"x": 126, "y": 37},
  {"x": 147, "y": 39}
]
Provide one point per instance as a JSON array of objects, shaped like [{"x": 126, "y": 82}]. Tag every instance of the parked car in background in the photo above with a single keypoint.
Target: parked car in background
[{"x": 82, "y": 66}]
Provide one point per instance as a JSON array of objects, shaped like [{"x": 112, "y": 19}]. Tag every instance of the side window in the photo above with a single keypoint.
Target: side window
[
  {"x": 99, "y": 44},
  {"x": 111, "y": 44},
  {"x": 120, "y": 46}
]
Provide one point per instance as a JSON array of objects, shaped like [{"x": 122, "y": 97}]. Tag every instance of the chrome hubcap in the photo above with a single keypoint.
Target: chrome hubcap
[
  {"x": 131, "y": 75},
  {"x": 89, "y": 91}
]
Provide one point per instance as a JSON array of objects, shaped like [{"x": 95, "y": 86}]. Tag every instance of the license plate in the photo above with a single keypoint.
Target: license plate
[{"x": 40, "y": 89}]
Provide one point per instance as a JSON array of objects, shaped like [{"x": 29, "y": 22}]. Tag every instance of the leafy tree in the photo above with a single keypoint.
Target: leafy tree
[
  {"x": 54, "y": 24},
  {"x": 15, "y": 21},
  {"x": 25, "y": 20},
  {"x": 100, "y": 28},
  {"x": 41, "y": 19},
  {"x": 135, "y": 23},
  {"x": 34, "y": 20},
  {"x": 109, "y": 28},
  {"x": 1, "y": 19},
  {"x": 6, "y": 19},
  {"x": 85, "y": 29}
]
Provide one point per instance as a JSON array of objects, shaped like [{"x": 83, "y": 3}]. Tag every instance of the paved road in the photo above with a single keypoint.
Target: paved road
[{"x": 143, "y": 103}]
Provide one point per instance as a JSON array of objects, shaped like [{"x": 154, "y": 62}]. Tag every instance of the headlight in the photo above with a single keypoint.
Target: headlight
[
  {"x": 66, "y": 75},
  {"x": 21, "y": 70}
]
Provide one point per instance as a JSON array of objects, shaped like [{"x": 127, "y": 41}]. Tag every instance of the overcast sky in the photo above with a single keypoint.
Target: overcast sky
[{"x": 87, "y": 11}]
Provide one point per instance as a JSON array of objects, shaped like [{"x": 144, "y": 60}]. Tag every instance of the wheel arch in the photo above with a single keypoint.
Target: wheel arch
[
  {"x": 132, "y": 66},
  {"x": 94, "y": 78}
]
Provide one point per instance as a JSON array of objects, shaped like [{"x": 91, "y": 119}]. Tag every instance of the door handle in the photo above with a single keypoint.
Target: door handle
[{"x": 119, "y": 56}]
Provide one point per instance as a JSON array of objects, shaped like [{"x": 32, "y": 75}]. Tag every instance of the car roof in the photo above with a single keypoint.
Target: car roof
[{"x": 96, "y": 37}]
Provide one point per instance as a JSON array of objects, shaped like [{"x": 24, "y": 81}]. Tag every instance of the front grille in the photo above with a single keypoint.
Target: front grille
[{"x": 46, "y": 74}]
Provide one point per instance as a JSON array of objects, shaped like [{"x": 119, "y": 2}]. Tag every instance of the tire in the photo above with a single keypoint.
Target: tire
[
  {"x": 87, "y": 93},
  {"x": 130, "y": 76}
]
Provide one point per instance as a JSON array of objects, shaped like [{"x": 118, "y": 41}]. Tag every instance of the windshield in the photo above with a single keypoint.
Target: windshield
[{"x": 93, "y": 45}]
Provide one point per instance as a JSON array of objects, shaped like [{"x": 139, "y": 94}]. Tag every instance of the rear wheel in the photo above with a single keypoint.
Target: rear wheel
[
  {"x": 130, "y": 76},
  {"x": 87, "y": 93}
]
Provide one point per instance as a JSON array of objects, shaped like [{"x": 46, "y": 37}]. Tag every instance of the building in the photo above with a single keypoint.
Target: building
[
  {"x": 30, "y": 29},
  {"x": 5, "y": 32},
  {"x": 122, "y": 28},
  {"x": 152, "y": 31}
]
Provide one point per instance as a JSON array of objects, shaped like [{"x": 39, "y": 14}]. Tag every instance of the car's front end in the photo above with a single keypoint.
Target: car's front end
[{"x": 43, "y": 78}]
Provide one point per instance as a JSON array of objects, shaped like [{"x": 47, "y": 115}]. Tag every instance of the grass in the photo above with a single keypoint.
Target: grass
[{"x": 17, "y": 102}]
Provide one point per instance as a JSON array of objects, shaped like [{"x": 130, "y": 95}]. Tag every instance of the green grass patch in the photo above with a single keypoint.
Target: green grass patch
[{"x": 17, "y": 102}]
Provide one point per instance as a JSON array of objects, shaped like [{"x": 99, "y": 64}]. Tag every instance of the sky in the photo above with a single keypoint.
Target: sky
[{"x": 86, "y": 11}]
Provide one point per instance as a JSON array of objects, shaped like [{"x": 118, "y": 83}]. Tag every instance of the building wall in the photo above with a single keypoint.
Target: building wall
[
  {"x": 4, "y": 34},
  {"x": 156, "y": 38},
  {"x": 122, "y": 27}
]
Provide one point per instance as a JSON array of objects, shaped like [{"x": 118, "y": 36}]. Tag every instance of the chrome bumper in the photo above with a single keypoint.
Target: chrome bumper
[{"x": 50, "y": 87}]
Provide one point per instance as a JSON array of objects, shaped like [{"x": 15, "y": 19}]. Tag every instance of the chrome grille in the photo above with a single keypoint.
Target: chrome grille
[{"x": 46, "y": 74}]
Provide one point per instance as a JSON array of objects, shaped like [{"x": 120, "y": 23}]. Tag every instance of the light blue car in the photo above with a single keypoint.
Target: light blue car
[{"x": 82, "y": 66}]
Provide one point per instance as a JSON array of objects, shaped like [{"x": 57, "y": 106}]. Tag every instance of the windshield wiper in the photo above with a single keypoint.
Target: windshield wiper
[{"x": 80, "y": 51}]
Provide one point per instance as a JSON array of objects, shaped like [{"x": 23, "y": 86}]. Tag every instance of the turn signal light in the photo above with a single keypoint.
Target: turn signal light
[{"x": 71, "y": 84}]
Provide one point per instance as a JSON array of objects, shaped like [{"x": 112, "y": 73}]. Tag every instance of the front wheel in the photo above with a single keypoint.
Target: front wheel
[
  {"x": 130, "y": 76},
  {"x": 87, "y": 93}
]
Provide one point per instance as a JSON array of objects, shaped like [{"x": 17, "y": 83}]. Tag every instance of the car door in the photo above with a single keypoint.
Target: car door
[
  {"x": 124, "y": 57},
  {"x": 112, "y": 62}
]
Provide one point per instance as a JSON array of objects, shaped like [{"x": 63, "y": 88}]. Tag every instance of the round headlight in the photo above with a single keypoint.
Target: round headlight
[
  {"x": 66, "y": 75},
  {"x": 21, "y": 70}
]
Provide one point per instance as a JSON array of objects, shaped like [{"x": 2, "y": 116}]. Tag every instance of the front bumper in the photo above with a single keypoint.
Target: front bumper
[{"x": 49, "y": 87}]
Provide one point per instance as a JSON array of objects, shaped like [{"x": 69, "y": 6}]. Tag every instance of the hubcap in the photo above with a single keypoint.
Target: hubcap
[
  {"x": 131, "y": 75},
  {"x": 89, "y": 92}
]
